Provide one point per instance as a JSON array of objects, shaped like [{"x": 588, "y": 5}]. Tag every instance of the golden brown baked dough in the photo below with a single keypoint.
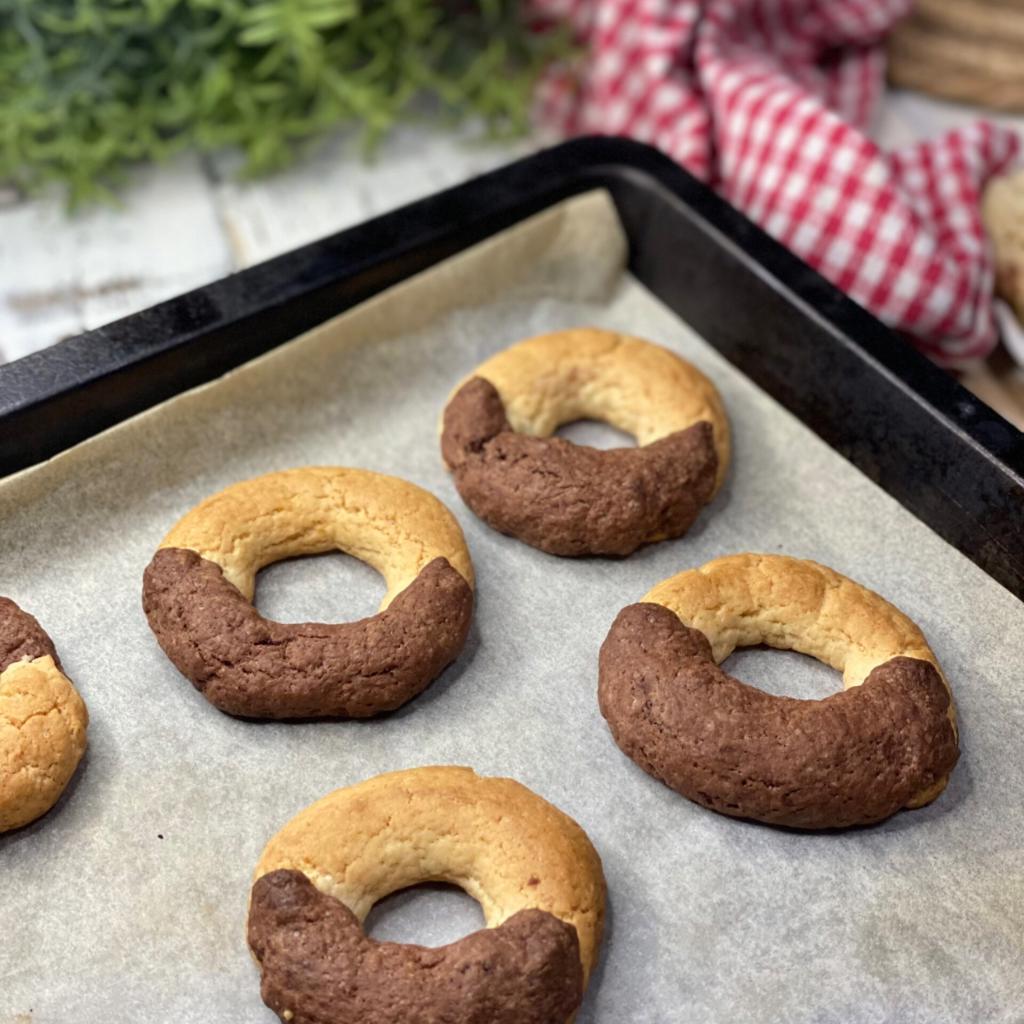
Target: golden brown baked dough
[
  {"x": 504, "y": 845},
  {"x": 793, "y": 604},
  {"x": 389, "y": 523},
  {"x": 569, "y": 499},
  {"x": 43, "y": 721},
  {"x": 888, "y": 741},
  {"x": 197, "y": 593}
]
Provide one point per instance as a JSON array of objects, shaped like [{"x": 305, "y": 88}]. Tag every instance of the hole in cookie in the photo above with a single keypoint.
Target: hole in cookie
[
  {"x": 432, "y": 914},
  {"x": 783, "y": 673},
  {"x": 332, "y": 587},
  {"x": 595, "y": 434}
]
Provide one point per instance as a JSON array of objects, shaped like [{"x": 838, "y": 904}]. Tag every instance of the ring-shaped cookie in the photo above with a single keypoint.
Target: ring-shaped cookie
[
  {"x": 43, "y": 720},
  {"x": 568, "y": 499},
  {"x": 532, "y": 869},
  {"x": 197, "y": 594},
  {"x": 887, "y": 741}
]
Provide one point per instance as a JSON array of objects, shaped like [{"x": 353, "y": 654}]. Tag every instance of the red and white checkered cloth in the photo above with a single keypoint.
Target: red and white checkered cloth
[{"x": 768, "y": 101}]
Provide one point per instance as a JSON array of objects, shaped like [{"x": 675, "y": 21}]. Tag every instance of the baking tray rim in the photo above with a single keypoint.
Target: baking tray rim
[{"x": 62, "y": 395}]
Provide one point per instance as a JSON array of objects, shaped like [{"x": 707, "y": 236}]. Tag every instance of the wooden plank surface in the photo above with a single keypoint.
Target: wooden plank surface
[
  {"x": 62, "y": 275},
  {"x": 184, "y": 224}
]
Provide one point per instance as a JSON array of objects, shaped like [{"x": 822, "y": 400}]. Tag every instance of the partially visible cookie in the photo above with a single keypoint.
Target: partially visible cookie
[
  {"x": 1002, "y": 211},
  {"x": 43, "y": 720}
]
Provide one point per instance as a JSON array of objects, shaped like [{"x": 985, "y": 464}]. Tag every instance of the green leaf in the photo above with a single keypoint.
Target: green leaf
[{"x": 89, "y": 86}]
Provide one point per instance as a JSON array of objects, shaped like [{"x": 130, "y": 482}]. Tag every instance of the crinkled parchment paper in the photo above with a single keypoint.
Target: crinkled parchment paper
[{"x": 127, "y": 902}]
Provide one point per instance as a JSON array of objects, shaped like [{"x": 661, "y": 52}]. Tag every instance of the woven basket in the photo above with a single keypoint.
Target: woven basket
[{"x": 967, "y": 50}]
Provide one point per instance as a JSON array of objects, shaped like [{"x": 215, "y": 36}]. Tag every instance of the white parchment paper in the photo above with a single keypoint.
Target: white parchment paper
[{"x": 127, "y": 902}]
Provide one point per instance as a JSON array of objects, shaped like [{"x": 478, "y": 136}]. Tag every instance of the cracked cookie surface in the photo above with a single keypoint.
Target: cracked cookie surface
[
  {"x": 505, "y": 846},
  {"x": 888, "y": 741},
  {"x": 569, "y": 499},
  {"x": 197, "y": 595},
  {"x": 525, "y": 971}
]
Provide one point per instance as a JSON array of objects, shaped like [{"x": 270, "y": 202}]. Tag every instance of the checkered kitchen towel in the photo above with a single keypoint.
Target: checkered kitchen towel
[{"x": 768, "y": 101}]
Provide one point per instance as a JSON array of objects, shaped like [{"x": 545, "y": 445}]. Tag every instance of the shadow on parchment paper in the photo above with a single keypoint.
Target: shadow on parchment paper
[
  {"x": 447, "y": 679},
  {"x": 10, "y": 839},
  {"x": 595, "y": 434},
  {"x": 718, "y": 506}
]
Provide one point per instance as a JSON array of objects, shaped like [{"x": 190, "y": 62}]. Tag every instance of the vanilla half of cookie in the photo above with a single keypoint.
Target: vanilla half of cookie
[{"x": 43, "y": 720}]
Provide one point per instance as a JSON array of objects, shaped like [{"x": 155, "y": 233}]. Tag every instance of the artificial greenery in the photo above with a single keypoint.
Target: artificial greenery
[{"x": 88, "y": 86}]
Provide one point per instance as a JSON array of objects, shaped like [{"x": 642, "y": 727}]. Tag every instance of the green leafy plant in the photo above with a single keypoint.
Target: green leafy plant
[{"x": 89, "y": 86}]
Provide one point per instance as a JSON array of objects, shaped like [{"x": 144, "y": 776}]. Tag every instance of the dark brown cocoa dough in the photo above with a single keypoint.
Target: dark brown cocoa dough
[
  {"x": 569, "y": 499},
  {"x": 251, "y": 666},
  {"x": 854, "y": 758},
  {"x": 317, "y": 963},
  {"x": 21, "y": 636}
]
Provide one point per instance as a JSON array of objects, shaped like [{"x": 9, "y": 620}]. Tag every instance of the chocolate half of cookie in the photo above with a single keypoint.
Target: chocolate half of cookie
[
  {"x": 251, "y": 666},
  {"x": 21, "y": 636},
  {"x": 568, "y": 499},
  {"x": 854, "y": 758},
  {"x": 319, "y": 967}
]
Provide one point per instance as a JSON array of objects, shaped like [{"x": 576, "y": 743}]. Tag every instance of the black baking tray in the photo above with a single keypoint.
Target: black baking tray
[{"x": 942, "y": 453}]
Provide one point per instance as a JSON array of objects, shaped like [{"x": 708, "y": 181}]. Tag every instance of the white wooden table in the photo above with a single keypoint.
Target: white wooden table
[{"x": 192, "y": 221}]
